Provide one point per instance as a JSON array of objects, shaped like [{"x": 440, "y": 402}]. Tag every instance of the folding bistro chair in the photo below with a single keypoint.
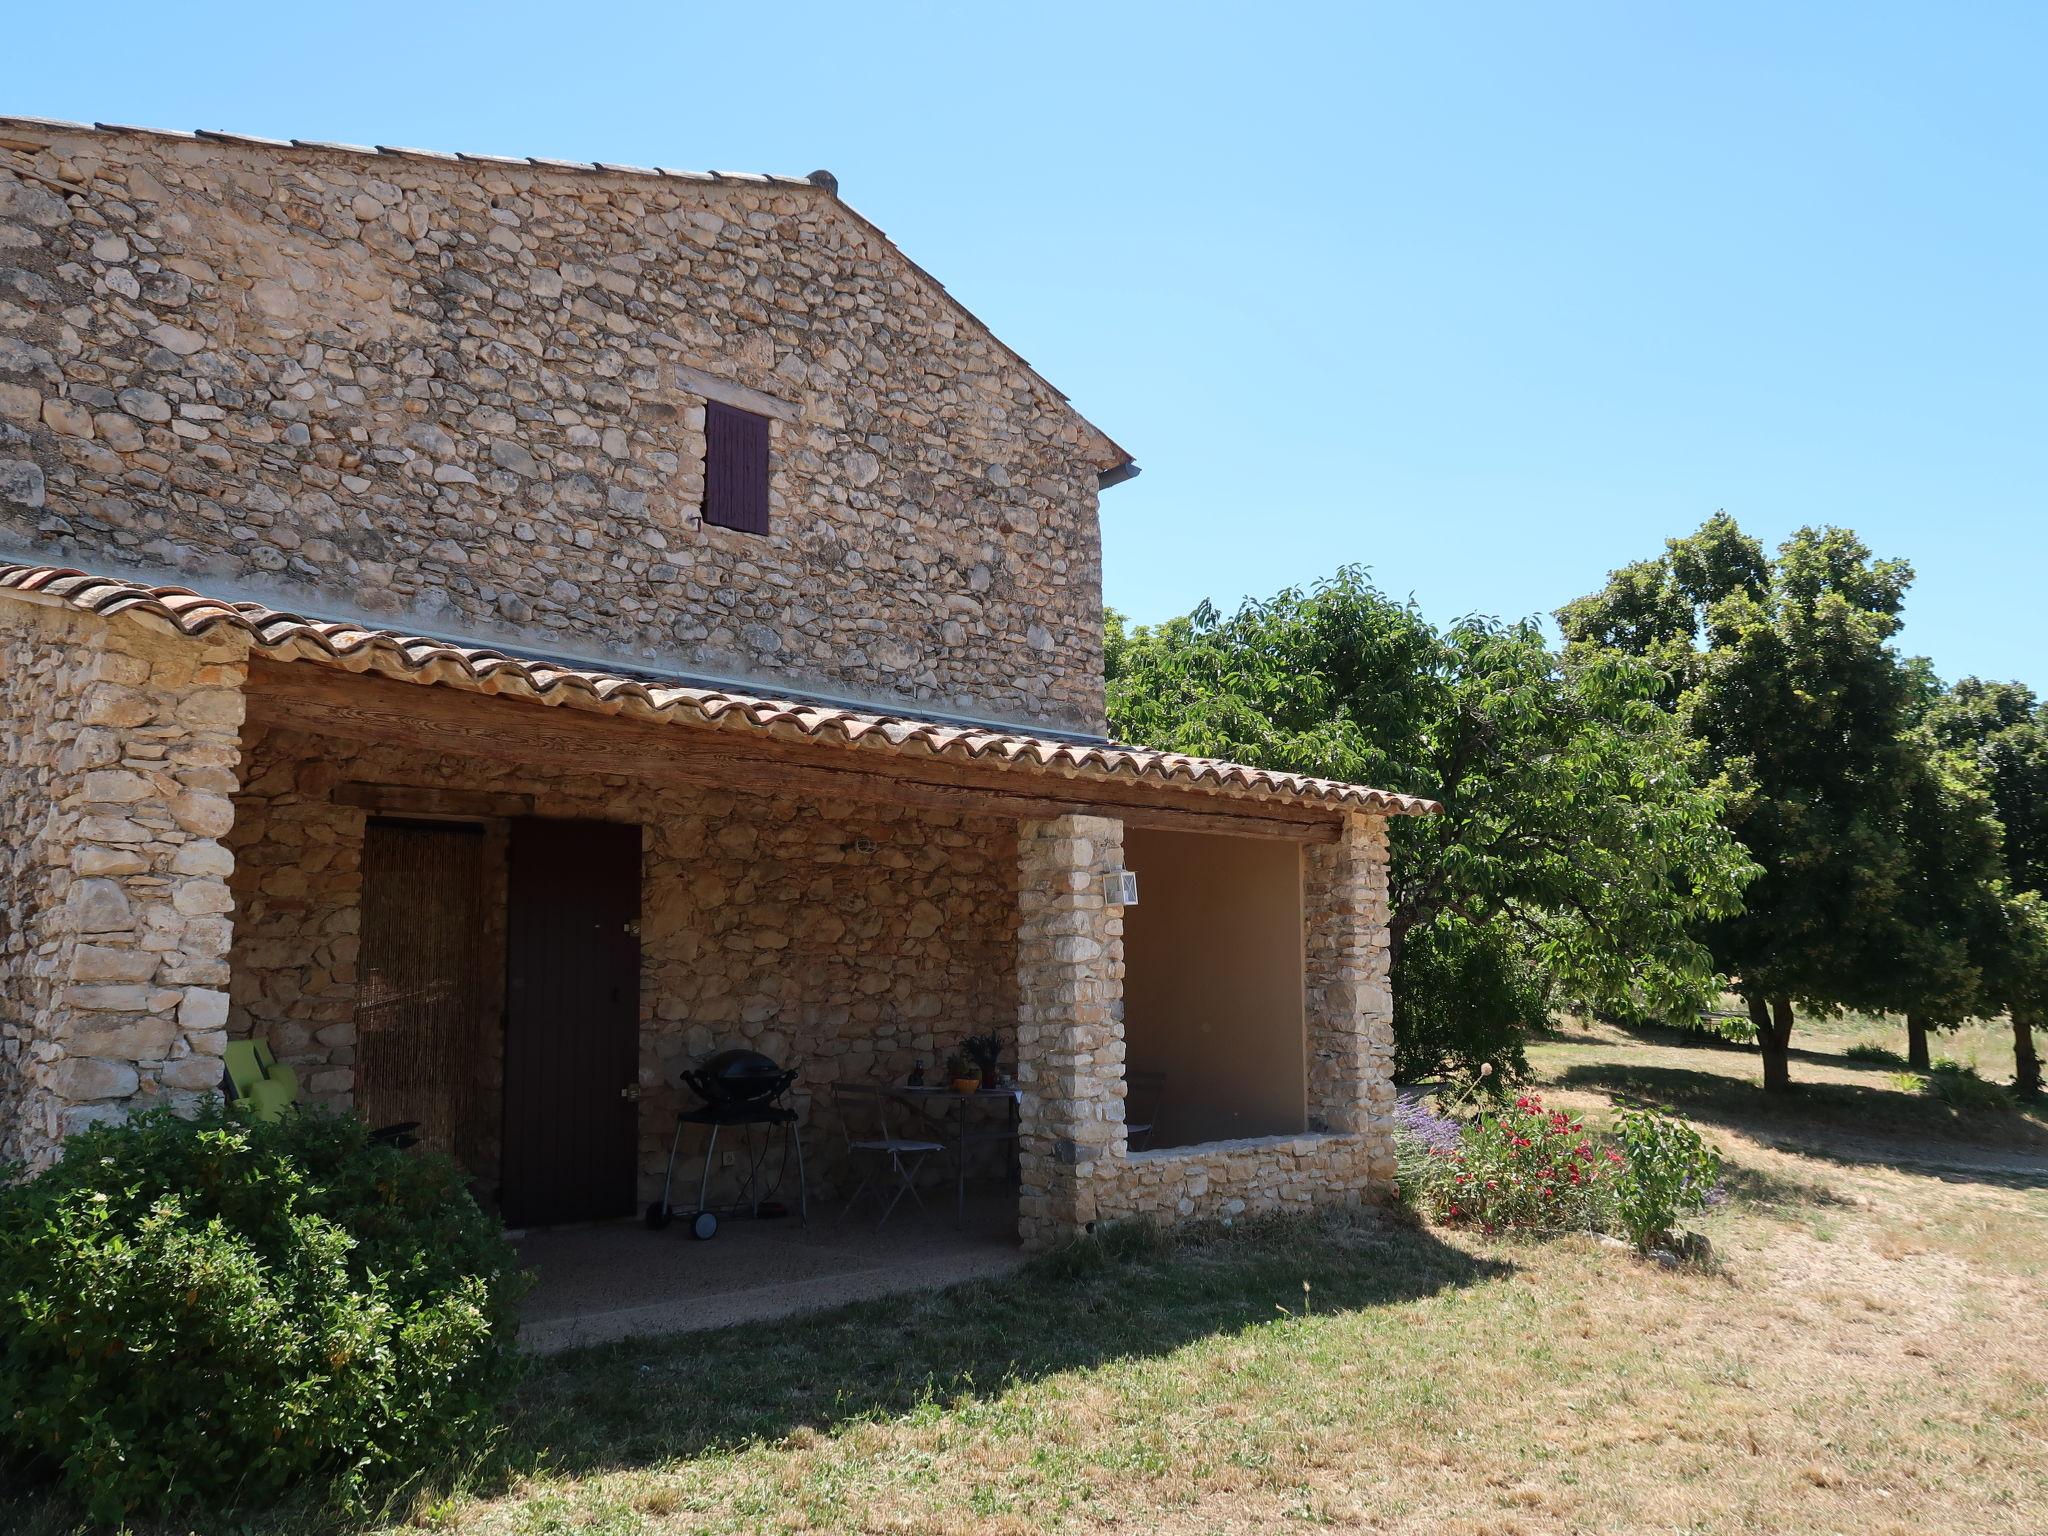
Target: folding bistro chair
[
  {"x": 979, "y": 1135},
  {"x": 1143, "y": 1092},
  {"x": 871, "y": 1139}
]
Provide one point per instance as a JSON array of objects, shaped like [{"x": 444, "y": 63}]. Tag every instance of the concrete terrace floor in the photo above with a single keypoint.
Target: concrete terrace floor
[{"x": 597, "y": 1284}]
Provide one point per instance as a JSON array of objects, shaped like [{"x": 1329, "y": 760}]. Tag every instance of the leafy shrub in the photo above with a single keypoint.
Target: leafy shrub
[
  {"x": 1960, "y": 1088},
  {"x": 205, "y": 1309},
  {"x": 1467, "y": 999},
  {"x": 1666, "y": 1171},
  {"x": 1516, "y": 1168},
  {"x": 1873, "y": 1054}
]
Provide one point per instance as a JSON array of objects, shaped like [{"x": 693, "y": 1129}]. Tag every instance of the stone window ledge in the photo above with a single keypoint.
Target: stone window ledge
[{"x": 1207, "y": 1151}]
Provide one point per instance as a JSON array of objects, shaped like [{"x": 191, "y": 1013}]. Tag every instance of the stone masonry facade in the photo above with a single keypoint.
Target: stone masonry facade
[
  {"x": 850, "y": 942},
  {"x": 119, "y": 747},
  {"x": 173, "y": 879},
  {"x": 467, "y": 398}
]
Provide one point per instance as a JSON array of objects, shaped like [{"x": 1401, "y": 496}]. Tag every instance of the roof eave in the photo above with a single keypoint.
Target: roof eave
[{"x": 358, "y": 647}]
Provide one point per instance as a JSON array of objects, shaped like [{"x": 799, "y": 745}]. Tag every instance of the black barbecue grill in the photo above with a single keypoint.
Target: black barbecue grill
[{"x": 734, "y": 1088}]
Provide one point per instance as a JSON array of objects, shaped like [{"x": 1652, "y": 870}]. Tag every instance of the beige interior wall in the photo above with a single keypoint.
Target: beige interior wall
[{"x": 1213, "y": 983}]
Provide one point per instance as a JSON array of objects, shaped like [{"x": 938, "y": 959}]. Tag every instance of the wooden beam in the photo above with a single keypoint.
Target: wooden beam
[
  {"x": 426, "y": 800},
  {"x": 564, "y": 739}
]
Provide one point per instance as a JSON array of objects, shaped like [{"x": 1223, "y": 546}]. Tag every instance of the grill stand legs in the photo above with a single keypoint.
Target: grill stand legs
[{"x": 792, "y": 1137}]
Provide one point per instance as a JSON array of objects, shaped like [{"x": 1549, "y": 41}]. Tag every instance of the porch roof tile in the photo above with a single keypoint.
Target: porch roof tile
[{"x": 357, "y": 647}]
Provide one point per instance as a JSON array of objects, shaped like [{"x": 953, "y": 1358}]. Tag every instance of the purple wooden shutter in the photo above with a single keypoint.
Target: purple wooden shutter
[{"x": 735, "y": 468}]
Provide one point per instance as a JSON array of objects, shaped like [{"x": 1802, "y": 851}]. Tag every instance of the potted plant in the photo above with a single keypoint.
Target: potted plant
[
  {"x": 962, "y": 1074},
  {"x": 986, "y": 1052}
]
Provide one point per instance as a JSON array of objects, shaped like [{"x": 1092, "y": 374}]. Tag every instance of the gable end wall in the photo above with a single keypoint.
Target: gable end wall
[{"x": 469, "y": 400}]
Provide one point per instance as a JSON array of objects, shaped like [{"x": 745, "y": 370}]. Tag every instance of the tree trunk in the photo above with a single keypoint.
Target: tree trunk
[
  {"x": 2026, "y": 1077},
  {"x": 1773, "y": 1040},
  {"x": 1916, "y": 1043}
]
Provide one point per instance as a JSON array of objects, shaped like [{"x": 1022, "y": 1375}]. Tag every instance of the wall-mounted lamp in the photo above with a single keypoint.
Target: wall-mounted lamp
[{"x": 1120, "y": 888}]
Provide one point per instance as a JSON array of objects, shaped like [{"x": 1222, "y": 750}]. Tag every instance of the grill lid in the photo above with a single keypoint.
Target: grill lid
[{"x": 738, "y": 1077}]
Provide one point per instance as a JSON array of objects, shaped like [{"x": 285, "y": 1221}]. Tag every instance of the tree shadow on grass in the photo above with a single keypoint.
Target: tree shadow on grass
[
  {"x": 1132, "y": 1293},
  {"x": 1672, "y": 1037},
  {"x": 1764, "y": 1190},
  {"x": 1889, "y": 1127}
]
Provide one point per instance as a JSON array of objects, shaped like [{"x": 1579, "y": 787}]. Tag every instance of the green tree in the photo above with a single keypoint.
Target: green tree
[
  {"x": 1577, "y": 848},
  {"x": 2002, "y": 729},
  {"x": 1782, "y": 669},
  {"x": 1947, "y": 917}
]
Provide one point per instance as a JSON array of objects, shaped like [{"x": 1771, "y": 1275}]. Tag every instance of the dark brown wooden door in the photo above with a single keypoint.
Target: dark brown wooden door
[
  {"x": 419, "y": 1016},
  {"x": 572, "y": 1021}
]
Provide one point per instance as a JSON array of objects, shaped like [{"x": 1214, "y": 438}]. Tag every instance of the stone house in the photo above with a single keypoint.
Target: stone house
[{"x": 501, "y": 631}]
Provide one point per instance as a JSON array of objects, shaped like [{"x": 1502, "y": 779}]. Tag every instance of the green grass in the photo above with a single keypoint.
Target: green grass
[{"x": 1865, "y": 1354}]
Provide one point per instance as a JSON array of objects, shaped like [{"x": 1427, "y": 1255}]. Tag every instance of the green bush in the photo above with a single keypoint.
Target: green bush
[
  {"x": 1468, "y": 999},
  {"x": 1958, "y": 1086},
  {"x": 200, "y": 1310},
  {"x": 1961, "y": 1088},
  {"x": 1667, "y": 1171},
  {"x": 1873, "y": 1054}
]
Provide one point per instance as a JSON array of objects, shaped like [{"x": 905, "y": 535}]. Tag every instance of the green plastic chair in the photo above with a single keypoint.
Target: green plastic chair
[
  {"x": 259, "y": 1081},
  {"x": 267, "y": 1087}
]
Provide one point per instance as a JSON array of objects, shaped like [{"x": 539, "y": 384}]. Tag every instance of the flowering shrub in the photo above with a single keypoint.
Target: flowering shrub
[{"x": 1517, "y": 1168}]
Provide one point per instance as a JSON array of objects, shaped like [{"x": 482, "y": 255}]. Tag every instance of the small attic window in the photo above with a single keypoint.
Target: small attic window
[{"x": 735, "y": 468}]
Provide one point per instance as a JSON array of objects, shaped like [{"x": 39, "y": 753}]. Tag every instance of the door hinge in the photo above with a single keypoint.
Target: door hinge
[
  {"x": 633, "y": 929},
  {"x": 630, "y": 1091}
]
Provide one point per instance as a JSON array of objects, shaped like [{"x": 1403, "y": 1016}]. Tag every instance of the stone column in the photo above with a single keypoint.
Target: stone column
[
  {"x": 1070, "y": 1021},
  {"x": 1350, "y": 1004},
  {"x": 119, "y": 744}
]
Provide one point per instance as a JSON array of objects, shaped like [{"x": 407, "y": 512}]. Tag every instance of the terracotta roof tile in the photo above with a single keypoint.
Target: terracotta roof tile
[{"x": 362, "y": 648}]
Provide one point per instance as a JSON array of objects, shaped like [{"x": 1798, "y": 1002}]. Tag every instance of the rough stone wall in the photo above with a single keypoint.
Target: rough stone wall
[
  {"x": 1255, "y": 1176},
  {"x": 1070, "y": 1035},
  {"x": 1077, "y": 1169},
  {"x": 38, "y": 715},
  {"x": 1350, "y": 1000},
  {"x": 118, "y": 755},
  {"x": 469, "y": 398},
  {"x": 849, "y": 941}
]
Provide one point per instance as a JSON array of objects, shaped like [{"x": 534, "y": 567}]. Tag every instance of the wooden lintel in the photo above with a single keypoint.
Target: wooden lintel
[
  {"x": 428, "y": 800},
  {"x": 557, "y": 738}
]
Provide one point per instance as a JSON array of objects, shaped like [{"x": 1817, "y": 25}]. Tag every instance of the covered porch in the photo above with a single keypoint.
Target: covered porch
[{"x": 515, "y": 900}]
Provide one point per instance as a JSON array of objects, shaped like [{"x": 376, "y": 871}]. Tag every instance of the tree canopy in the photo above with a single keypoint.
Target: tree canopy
[
  {"x": 1581, "y": 846},
  {"x": 1782, "y": 670},
  {"x": 2000, "y": 730}
]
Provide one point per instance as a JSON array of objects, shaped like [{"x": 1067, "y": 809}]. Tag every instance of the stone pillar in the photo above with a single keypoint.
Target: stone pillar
[
  {"x": 1350, "y": 1004},
  {"x": 119, "y": 745},
  {"x": 1070, "y": 1021}
]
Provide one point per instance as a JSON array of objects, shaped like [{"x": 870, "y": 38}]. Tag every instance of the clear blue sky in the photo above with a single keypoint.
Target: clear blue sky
[{"x": 1490, "y": 297}]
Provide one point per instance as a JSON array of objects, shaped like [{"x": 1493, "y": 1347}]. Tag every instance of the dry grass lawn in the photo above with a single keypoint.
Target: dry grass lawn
[{"x": 1868, "y": 1355}]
